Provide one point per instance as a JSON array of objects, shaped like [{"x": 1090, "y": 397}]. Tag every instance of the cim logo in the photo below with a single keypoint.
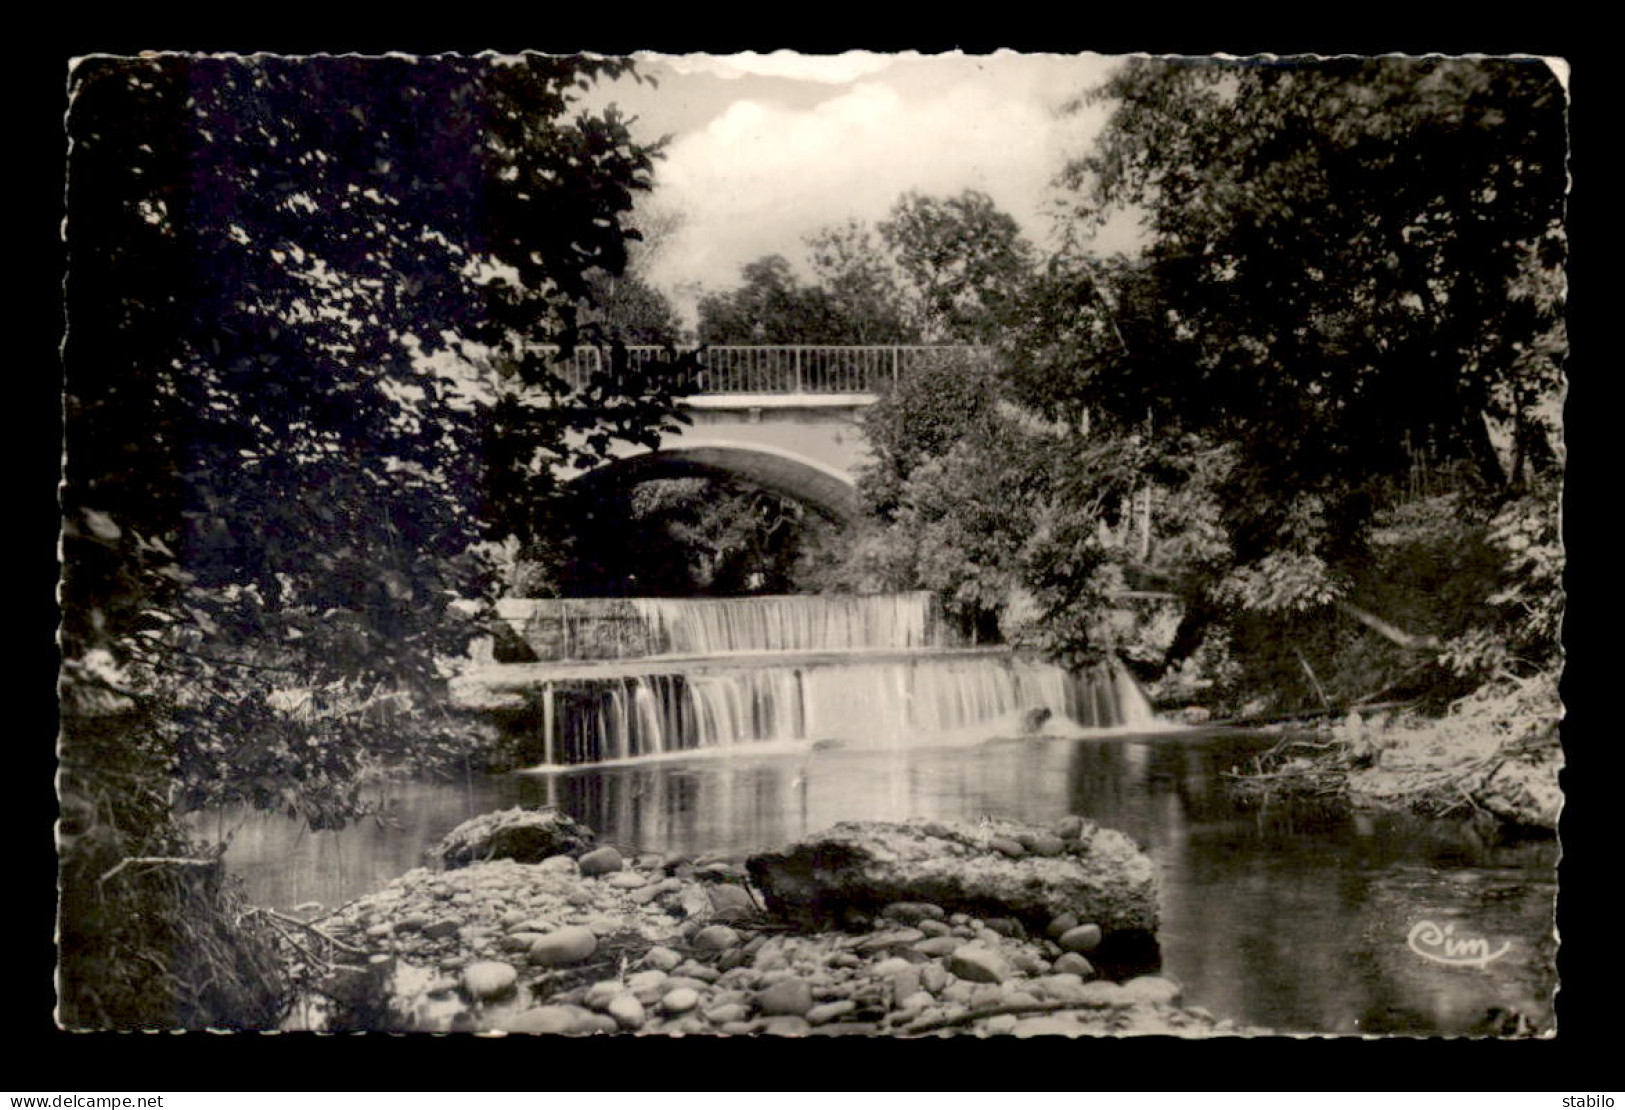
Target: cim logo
[{"x": 1441, "y": 945}]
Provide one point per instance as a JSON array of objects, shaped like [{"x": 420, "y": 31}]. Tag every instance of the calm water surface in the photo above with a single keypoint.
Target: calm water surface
[{"x": 1294, "y": 922}]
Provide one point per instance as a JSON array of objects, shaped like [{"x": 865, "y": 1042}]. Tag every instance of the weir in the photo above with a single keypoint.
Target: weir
[{"x": 627, "y": 679}]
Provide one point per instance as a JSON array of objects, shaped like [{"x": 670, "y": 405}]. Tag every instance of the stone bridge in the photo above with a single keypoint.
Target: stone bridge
[{"x": 784, "y": 418}]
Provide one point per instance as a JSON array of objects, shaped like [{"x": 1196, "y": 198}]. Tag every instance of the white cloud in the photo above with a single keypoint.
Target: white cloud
[
  {"x": 762, "y": 173},
  {"x": 832, "y": 69}
]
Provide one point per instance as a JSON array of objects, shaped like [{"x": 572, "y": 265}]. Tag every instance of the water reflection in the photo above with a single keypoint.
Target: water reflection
[{"x": 1285, "y": 919}]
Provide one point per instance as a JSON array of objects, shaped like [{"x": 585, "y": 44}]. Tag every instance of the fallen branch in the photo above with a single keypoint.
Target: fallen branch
[
  {"x": 1390, "y": 632},
  {"x": 336, "y": 943},
  {"x": 172, "y": 861}
]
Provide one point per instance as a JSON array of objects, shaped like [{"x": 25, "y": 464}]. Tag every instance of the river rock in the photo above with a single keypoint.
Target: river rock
[
  {"x": 568, "y": 945},
  {"x": 786, "y": 1025},
  {"x": 600, "y": 861},
  {"x": 627, "y": 1011},
  {"x": 787, "y": 996},
  {"x": 525, "y": 835},
  {"x": 730, "y": 901},
  {"x": 913, "y": 913},
  {"x": 445, "y": 927},
  {"x": 715, "y": 938},
  {"x": 546, "y": 1019},
  {"x": 938, "y": 946},
  {"x": 680, "y": 1000},
  {"x": 489, "y": 979},
  {"x": 870, "y": 864},
  {"x": 829, "y": 1011},
  {"x": 978, "y": 964},
  {"x": 662, "y": 958},
  {"x": 626, "y": 880},
  {"x": 1009, "y": 845},
  {"x": 1060, "y": 923},
  {"x": 1070, "y": 827},
  {"x": 1074, "y": 963},
  {"x": 1083, "y": 938},
  {"x": 560, "y": 865}
]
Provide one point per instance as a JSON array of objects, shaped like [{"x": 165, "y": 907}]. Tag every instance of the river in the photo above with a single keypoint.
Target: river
[{"x": 1297, "y": 922}]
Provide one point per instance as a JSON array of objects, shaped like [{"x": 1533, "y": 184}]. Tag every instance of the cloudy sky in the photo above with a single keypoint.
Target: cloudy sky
[{"x": 766, "y": 149}]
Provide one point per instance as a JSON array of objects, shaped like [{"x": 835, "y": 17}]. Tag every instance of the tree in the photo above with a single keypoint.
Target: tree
[
  {"x": 770, "y": 306},
  {"x": 862, "y": 283},
  {"x": 1354, "y": 274},
  {"x": 301, "y": 299},
  {"x": 965, "y": 261}
]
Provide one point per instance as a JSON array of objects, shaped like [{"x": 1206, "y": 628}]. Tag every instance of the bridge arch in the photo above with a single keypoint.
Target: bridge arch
[{"x": 828, "y": 491}]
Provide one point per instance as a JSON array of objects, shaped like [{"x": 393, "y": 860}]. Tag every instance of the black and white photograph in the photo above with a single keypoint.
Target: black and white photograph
[{"x": 786, "y": 545}]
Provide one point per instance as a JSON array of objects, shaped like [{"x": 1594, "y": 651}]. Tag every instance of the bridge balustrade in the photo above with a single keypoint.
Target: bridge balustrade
[{"x": 823, "y": 370}]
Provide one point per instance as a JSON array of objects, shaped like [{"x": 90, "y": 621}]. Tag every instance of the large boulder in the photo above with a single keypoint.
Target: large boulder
[
  {"x": 1100, "y": 875},
  {"x": 525, "y": 835}
]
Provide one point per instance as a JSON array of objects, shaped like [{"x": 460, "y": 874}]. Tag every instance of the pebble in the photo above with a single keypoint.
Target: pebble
[
  {"x": 680, "y": 1001},
  {"x": 786, "y": 1025},
  {"x": 829, "y": 1011},
  {"x": 933, "y": 928},
  {"x": 915, "y": 1002},
  {"x": 489, "y": 979},
  {"x": 569, "y": 945},
  {"x": 716, "y": 938},
  {"x": 1074, "y": 963},
  {"x": 545, "y": 1019},
  {"x": 727, "y": 1012},
  {"x": 626, "y": 880},
  {"x": 662, "y": 958},
  {"x": 890, "y": 966},
  {"x": 913, "y": 913},
  {"x": 933, "y": 977},
  {"x": 905, "y": 982},
  {"x": 559, "y": 865},
  {"x": 445, "y": 927},
  {"x": 1008, "y": 846},
  {"x": 786, "y": 997},
  {"x": 1084, "y": 938},
  {"x": 600, "y": 861},
  {"x": 938, "y": 946},
  {"x": 627, "y": 1011},
  {"x": 689, "y": 969},
  {"x": 1004, "y": 926},
  {"x": 999, "y": 1024},
  {"x": 730, "y": 900},
  {"x": 895, "y": 938},
  {"x": 1047, "y": 844},
  {"x": 1069, "y": 828},
  {"x": 1061, "y": 924}
]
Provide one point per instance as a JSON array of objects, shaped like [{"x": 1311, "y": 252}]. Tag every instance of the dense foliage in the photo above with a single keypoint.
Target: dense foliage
[
  {"x": 937, "y": 270},
  {"x": 301, "y": 408},
  {"x": 1321, "y": 407}
]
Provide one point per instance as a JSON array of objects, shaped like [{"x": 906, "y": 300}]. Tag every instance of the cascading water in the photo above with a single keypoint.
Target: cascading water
[
  {"x": 857, "y": 671},
  {"x": 722, "y": 626}
]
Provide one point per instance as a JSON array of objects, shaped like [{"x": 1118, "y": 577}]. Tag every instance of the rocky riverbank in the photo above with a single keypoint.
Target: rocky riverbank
[
  {"x": 1027, "y": 931},
  {"x": 1496, "y": 754}
]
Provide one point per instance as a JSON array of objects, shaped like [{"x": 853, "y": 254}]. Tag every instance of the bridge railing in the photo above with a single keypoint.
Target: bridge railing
[{"x": 776, "y": 369}]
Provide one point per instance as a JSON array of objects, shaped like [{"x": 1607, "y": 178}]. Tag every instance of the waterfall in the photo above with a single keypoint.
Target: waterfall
[
  {"x": 857, "y": 671},
  {"x": 722, "y": 626}
]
